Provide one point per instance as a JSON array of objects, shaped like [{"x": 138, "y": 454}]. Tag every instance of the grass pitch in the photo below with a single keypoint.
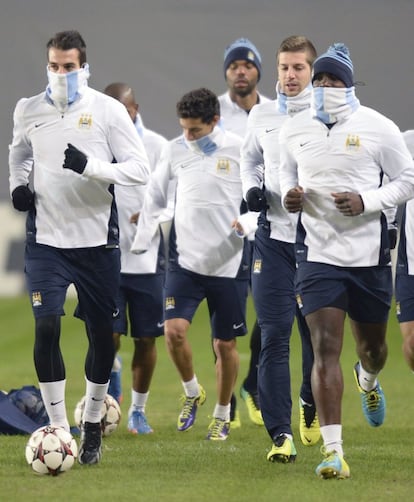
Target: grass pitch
[{"x": 172, "y": 466}]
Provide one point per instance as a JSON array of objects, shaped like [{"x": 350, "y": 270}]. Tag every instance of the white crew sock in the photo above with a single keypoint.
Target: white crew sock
[
  {"x": 94, "y": 400},
  {"x": 222, "y": 411},
  {"x": 139, "y": 401},
  {"x": 332, "y": 438},
  {"x": 53, "y": 395},
  {"x": 367, "y": 381},
  {"x": 191, "y": 388}
]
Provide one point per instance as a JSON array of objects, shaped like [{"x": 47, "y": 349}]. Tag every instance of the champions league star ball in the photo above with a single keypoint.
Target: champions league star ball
[
  {"x": 51, "y": 450},
  {"x": 110, "y": 414}
]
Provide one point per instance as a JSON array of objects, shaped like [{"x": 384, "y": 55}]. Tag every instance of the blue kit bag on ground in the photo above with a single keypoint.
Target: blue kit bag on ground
[{"x": 22, "y": 411}]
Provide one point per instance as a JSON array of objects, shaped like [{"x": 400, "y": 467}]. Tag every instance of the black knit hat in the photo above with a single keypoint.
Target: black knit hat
[
  {"x": 336, "y": 61},
  {"x": 242, "y": 49}
]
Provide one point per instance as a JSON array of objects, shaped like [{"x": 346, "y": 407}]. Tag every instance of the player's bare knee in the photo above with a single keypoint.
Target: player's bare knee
[
  {"x": 224, "y": 349},
  {"x": 175, "y": 337},
  {"x": 144, "y": 343}
]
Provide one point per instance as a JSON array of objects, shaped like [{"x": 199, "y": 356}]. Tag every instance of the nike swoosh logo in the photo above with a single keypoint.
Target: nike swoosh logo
[
  {"x": 270, "y": 130},
  {"x": 38, "y": 125},
  {"x": 54, "y": 403},
  {"x": 94, "y": 399},
  {"x": 237, "y": 326},
  {"x": 160, "y": 324},
  {"x": 115, "y": 314},
  {"x": 303, "y": 144}
]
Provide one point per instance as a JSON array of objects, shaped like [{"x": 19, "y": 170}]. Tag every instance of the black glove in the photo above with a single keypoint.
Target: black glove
[
  {"x": 256, "y": 200},
  {"x": 392, "y": 236},
  {"x": 23, "y": 198},
  {"x": 74, "y": 159}
]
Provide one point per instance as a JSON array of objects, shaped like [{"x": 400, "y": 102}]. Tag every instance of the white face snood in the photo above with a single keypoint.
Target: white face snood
[
  {"x": 331, "y": 104},
  {"x": 63, "y": 88}
]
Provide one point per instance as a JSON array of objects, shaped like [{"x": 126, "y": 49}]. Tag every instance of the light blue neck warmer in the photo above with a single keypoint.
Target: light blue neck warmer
[
  {"x": 204, "y": 145},
  {"x": 289, "y": 105},
  {"x": 330, "y": 104}
]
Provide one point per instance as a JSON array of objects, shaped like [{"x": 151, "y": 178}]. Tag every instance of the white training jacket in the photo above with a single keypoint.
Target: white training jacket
[
  {"x": 351, "y": 156},
  {"x": 72, "y": 210},
  {"x": 261, "y": 147},
  {"x": 235, "y": 119},
  {"x": 232, "y": 117},
  {"x": 129, "y": 200},
  {"x": 208, "y": 197}
]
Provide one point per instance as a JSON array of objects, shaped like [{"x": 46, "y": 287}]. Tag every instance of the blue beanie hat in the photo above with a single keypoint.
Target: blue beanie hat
[
  {"x": 336, "y": 61},
  {"x": 242, "y": 49}
]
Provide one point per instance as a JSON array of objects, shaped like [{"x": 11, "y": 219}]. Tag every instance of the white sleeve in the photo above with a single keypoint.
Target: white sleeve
[
  {"x": 390, "y": 212},
  {"x": 409, "y": 140},
  {"x": 154, "y": 146},
  {"x": 155, "y": 202},
  {"x": 288, "y": 173},
  {"x": 397, "y": 163},
  {"x": 391, "y": 216},
  {"x": 249, "y": 223},
  {"x": 251, "y": 160},
  {"x": 20, "y": 151},
  {"x": 132, "y": 165}
]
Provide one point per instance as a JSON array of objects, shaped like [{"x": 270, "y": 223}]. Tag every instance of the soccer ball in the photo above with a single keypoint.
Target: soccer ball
[
  {"x": 110, "y": 414},
  {"x": 51, "y": 450}
]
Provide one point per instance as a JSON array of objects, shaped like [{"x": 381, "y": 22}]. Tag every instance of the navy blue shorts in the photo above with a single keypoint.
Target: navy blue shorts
[
  {"x": 141, "y": 302},
  {"x": 365, "y": 293},
  {"x": 226, "y": 300},
  {"x": 273, "y": 273},
  {"x": 404, "y": 297},
  {"x": 93, "y": 271}
]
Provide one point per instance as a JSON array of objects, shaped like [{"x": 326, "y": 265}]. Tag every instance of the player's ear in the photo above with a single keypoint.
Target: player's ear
[{"x": 215, "y": 120}]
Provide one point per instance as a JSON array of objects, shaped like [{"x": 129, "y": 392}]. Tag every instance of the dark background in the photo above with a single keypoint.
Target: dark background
[{"x": 165, "y": 48}]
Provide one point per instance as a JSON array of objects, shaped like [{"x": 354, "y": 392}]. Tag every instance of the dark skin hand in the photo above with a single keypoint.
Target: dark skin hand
[
  {"x": 347, "y": 203},
  {"x": 134, "y": 218},
  {"x": 294, "y": 200}
]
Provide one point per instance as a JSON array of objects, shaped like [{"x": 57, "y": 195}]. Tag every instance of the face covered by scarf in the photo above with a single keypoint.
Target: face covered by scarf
[
  {"x": 64, "y": 88},
  {"x": 330, "y": 104}
]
